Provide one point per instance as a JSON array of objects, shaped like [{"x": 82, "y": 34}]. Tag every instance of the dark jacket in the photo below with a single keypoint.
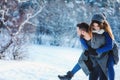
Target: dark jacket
[{"x": 103, "y": 44}]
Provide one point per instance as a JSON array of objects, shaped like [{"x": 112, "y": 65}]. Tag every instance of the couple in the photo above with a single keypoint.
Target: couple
[{"x": 97, "y": 59}]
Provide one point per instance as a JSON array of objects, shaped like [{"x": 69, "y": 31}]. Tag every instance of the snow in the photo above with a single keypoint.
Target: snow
[
  {"x": 70, "y": 5},
  {"x": 44, "y": 63}
]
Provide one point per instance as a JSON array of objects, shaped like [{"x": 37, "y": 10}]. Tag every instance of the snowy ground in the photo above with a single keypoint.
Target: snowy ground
[{"x": 44, "y": 63}]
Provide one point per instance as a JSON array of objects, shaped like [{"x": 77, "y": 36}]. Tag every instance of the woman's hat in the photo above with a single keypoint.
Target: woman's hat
[{"x": 98, "y": 17}]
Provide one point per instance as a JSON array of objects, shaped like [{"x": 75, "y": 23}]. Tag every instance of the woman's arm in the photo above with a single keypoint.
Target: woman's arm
[{"x": 107, "y": 46}]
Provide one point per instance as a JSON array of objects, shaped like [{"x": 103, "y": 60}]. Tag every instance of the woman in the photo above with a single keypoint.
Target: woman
[{"x": 99, "y": 25}]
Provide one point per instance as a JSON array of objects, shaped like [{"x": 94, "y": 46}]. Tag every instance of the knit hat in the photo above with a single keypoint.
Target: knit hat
[{"x": 98, "y": 17}]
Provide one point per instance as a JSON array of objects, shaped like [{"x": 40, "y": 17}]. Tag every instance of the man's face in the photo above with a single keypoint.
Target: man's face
[{"x": 80, "y": 32}]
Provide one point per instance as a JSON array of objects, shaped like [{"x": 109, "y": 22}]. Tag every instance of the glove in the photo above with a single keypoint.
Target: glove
[
  {"x": 92, "y": 51},
  {"x": 86, "y": 53}
]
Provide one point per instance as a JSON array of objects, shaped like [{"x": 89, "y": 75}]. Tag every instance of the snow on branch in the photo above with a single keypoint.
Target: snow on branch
[
  {"x": 22, "y": 0},
  {"x": 14, "y": 18},
  {"x": 29, "y": 16},
  {"x": 2, "y": 12}
]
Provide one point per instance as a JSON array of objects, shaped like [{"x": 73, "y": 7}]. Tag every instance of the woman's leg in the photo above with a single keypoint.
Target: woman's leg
[{"x": 111, "y": 72}]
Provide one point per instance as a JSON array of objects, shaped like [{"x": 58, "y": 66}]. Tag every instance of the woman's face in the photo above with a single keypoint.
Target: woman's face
[{"x": 96, "y": 26}]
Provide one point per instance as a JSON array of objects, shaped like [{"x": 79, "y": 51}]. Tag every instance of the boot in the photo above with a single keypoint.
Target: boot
[{"x": 68, "y": 76}]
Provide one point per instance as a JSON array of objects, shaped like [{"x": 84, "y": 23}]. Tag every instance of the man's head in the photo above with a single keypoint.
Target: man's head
[{"x": 82, "y": 29}]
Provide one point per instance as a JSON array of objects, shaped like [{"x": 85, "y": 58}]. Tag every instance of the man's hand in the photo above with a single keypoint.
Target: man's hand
[
  {"x": 92, "y": 51},
  {"x": 86, "y": 53}
]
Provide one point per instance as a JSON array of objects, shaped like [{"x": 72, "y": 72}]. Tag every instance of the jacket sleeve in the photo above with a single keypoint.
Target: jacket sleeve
[
  {"x": 83, "y": 43},
  {"x": 107, "y": 46}
]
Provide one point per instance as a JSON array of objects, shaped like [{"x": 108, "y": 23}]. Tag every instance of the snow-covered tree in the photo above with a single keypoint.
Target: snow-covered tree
[{"x": 15, "y": 17}]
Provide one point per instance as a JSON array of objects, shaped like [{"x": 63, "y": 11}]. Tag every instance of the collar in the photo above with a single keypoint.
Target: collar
[{"x": 99, "y": 31}]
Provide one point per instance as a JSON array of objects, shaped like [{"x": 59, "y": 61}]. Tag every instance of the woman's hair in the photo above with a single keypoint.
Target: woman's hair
[{"x": 103, "y": 25}]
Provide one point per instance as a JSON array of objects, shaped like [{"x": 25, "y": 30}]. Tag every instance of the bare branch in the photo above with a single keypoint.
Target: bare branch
[
  {"x": 2, "y": 12},
  {"x": 14, "y": 38},
  {"x": 31, "y": 23},
  {"x": 6, "y": 47},
  {"x": 29, "y": 16},
  {"x": 22, "y": 0}
]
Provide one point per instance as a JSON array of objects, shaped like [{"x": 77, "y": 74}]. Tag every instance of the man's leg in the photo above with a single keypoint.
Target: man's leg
[
  {"x": 94, "y": 74},
  {"x": 102, "y": 75}
]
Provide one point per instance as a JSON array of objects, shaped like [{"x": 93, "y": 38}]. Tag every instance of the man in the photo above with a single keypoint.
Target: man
[{"x": 87, "y": 63}]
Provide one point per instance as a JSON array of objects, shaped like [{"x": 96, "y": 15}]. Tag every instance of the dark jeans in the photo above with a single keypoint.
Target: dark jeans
[{"x": 97, "y": 73}]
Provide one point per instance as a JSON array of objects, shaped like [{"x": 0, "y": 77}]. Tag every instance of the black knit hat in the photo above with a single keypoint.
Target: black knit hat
[{"x": 98, "y": 17}]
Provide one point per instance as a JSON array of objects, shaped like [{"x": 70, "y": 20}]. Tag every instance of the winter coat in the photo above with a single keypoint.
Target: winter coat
[
  {"x": 103, "y": 44},
  {"x": 82, "y": 62},
  {"x": 115, "y": 52}
]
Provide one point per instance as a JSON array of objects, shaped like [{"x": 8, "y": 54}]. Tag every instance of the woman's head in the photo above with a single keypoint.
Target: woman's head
[
  {"x": 99, "y": 22},
  {"x": 99, "y": 18}
]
